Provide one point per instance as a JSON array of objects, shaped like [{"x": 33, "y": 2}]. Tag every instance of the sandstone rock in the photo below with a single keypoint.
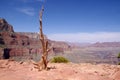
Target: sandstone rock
[
  {"x": 24, "y": 44},
  {"x": 4, "y": 26}
]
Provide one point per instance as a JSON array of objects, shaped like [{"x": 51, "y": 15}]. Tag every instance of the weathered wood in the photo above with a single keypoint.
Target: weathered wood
[{"x": 42, "y": 64}]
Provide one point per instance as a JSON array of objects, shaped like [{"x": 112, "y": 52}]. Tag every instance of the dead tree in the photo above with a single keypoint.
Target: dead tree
[{"x": 42, "y": 64}]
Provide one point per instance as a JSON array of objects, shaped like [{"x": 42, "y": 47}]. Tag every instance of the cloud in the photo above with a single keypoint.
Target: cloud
[
  {"x": 27, "y": 11},
  {"x": 86, "y": 37}
]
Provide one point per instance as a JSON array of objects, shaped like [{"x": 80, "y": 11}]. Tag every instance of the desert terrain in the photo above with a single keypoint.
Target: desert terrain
[{"x": 12, "y": 70}]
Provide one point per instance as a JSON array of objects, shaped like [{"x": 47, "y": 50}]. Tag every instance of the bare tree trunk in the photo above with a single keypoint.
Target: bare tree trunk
[{"x": 42, "y": 64}]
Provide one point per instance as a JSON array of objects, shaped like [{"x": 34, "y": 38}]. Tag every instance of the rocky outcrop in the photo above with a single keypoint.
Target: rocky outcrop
[
  {"x": 9, "y": 38},
  {"x": 4, "y": 26},
  {"x": 24, "y": 43},
  {"x": 32, "y": 35},
  {"x": 18, "y": 44},
  {"x": 60, "y": 44}
]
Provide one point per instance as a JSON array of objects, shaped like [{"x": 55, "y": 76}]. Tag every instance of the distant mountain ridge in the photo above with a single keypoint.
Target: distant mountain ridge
[
  {"x": 97, "y": 44},
  {"x": 32, "y": 35},
  {"x": 106, "y": 44}
]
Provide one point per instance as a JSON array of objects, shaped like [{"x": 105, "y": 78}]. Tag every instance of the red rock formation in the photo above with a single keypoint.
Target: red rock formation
[
  {"x": 23, "y": 43},
  {"x": 4, "y": 26}
]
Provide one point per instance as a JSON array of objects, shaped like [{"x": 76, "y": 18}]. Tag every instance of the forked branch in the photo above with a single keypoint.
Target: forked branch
[{"x": 42, "y": 64}]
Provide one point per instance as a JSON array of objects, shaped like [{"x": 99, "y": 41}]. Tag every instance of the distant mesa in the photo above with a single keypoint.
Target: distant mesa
[{"x": 106, "y": 44}]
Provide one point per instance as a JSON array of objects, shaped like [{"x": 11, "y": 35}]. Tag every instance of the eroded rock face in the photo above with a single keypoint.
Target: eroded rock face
[
  {"x": 32, "y": 35},
  {"x": 10, "y": 38},
  {"x": 4, "y": 26},
  {"x": 24, "y": 43},
  {"x": 18, "y": 44}
]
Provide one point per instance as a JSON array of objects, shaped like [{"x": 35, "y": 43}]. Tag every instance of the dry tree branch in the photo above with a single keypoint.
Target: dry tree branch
[{"x": 42, "y": 64}]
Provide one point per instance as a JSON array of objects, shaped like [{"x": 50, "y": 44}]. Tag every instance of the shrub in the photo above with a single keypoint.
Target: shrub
[
  {"x": 118, "y": 58},
  {"x": 119, "y": 63},
  {"x": 118, "y": 55},
  {"x": 59, "y": 59}
]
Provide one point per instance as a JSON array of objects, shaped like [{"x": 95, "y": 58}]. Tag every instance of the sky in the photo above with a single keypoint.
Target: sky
[{"x": 66, "y": 20}]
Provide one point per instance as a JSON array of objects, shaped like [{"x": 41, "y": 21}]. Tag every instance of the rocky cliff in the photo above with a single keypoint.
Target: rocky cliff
[
  {"x": 8, "y": 37},
  {"x": 4, "y": 26},
  {"x": 32, "y": 35},
  {"x": 24, "y": 43}
]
